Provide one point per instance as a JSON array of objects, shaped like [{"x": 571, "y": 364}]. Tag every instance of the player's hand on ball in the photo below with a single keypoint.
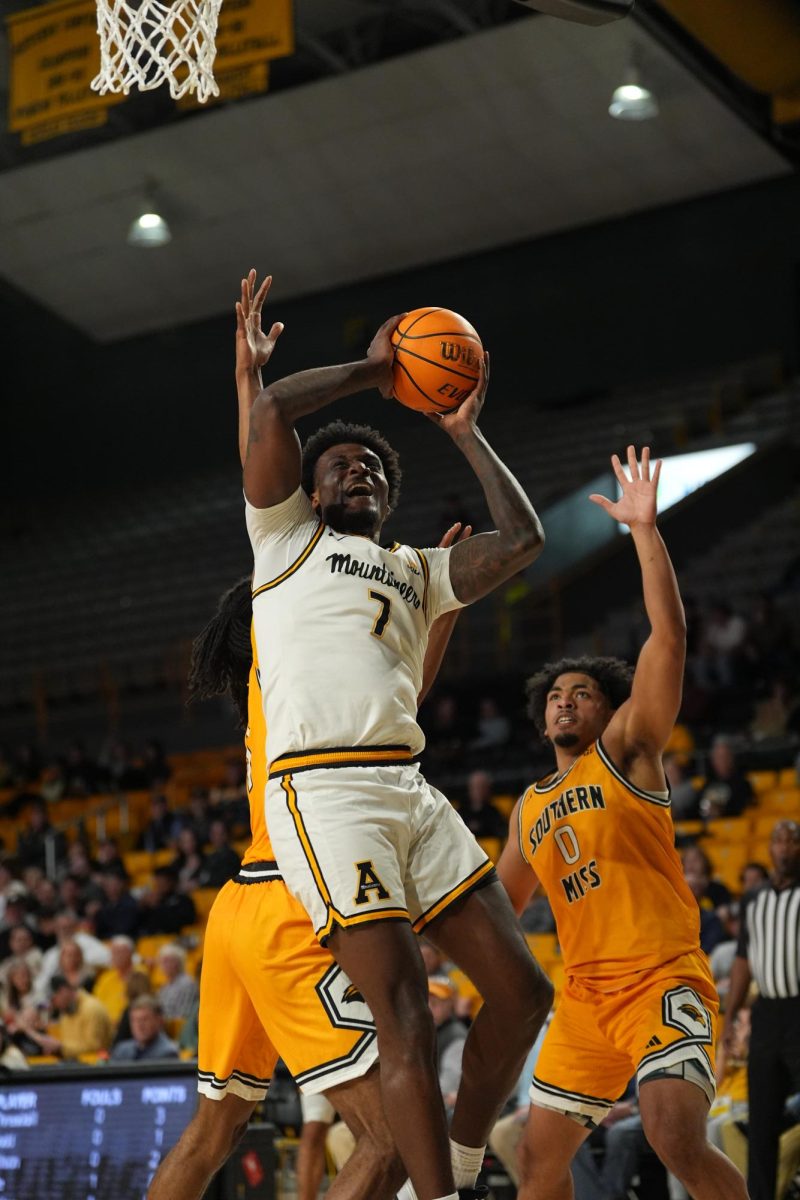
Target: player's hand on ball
[
  {"x": 464, "y": 420},
  {"x": 253, "y": 346},
  {"x": 380, "y": 355}
]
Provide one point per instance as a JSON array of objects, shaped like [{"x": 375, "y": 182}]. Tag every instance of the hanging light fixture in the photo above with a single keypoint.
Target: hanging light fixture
[
  {"x": 632, "y": 101},
  {"x": 150, "y": 229}
]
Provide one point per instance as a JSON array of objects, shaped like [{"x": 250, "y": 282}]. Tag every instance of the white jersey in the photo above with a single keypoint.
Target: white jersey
[{"x": 341, "y": 628}]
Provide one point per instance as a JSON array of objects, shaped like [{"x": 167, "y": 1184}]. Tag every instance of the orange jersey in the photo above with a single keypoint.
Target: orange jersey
[
  {"x": 255, "y": 741},
  {"x": 604, "y": 852}
]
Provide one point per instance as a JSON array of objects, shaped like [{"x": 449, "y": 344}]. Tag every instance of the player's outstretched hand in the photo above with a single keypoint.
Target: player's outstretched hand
[
  {"x": 637, "y": 504},
  {"x": 253, "y": 346},
  {"x": 465, "y": 418},
  {"x": 381, "y": 355},
  {"x": 456, "y": 533}
]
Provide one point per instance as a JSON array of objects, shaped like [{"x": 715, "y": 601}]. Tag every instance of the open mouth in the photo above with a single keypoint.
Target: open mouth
[
  {"x": 359, "y": 489},
  {"x": 566, "y": 719}
]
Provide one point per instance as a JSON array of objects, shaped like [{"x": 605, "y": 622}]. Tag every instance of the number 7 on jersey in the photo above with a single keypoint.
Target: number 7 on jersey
[{"x": 385, "y": 612}]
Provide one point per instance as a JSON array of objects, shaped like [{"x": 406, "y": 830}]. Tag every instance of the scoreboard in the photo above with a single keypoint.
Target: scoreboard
[{"x": 79, "y": 1133}]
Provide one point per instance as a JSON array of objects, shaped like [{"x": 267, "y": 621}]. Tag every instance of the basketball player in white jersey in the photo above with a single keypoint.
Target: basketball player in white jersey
[{"x": 371, "y": 851}]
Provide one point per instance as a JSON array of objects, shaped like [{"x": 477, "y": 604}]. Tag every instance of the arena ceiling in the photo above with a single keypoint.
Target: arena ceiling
[{"x": 495, "y": 136}]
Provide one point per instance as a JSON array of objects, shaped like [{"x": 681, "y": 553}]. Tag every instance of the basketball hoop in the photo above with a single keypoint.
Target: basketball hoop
[{"x": 144, "y": 43}]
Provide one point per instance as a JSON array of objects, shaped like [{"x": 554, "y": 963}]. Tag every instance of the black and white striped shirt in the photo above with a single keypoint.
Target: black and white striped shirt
[{"x": 769, "y": 939}]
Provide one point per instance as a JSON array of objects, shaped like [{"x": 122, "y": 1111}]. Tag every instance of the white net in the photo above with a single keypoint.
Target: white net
[{"x": 144, "y": 43}]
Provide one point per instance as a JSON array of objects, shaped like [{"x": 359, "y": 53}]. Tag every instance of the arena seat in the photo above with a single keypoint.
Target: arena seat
[
  {"x": 782, "y": 802},
  {"x": 730, "y": 829},
  {"x": 504, "y": 805},
  {"x": 728, "y": 858},
  {"x": 492, "y": 847},
  {"x": 763, "y": 781}
]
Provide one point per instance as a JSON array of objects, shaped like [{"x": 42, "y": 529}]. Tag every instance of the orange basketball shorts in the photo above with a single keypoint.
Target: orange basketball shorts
[
  {"x": 665, "y": 1023},
  {"x": 268, "y": 990}
]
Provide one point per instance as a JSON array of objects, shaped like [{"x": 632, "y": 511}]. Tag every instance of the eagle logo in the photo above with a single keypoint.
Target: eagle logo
[
  {"x": 352, "y": 995},
  {"x": 692, "y": 1011}
]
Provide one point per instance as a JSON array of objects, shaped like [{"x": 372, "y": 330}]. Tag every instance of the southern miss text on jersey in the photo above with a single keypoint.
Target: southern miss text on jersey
[
  {"x": 604, "y": 852},
  {"x": 341, "y": 626}
]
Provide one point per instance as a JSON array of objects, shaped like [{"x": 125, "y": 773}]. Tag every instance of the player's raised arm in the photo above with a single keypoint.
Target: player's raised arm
[
  {"x": 272, "y": 460},
  {"x": 480, "y": 564},
  {"x": 642, "y": 725},
  {"x": 253, "y": 350}
]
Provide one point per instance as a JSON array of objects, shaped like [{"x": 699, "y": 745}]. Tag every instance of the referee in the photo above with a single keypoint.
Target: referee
[{"x": 769, "y": 952}]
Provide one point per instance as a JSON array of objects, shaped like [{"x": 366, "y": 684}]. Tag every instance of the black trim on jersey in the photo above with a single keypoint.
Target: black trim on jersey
[
  {"x": 489, "y": 877},
  {"x": 551, "y": 1089},
  {"x": 277, "y": 771},
  {"x": 667, "y": 1051},
  {"x": 426, "y": 576},
  {"x": 267, "y": 872},
  {"x": 298, "y": 562},
  {"x": 336, "y": 1064},
  {"x": 651, "y": 797},
  {"x": 541, "y": 786},
  {"x": 220, "y": 1084}
]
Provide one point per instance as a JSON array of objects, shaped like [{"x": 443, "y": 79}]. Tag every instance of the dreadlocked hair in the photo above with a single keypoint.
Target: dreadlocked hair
[
  {"x": 222, "y": 654},
  {"x": 339, "y": 432},
  {"x": 612, "y": 676}
]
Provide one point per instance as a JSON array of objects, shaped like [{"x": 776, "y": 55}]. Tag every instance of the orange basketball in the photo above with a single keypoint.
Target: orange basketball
[{"x": 437, "y": 359}]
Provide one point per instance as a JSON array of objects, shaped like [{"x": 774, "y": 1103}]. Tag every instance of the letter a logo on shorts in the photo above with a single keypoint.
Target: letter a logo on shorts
[{"x": 368, "y": 882}]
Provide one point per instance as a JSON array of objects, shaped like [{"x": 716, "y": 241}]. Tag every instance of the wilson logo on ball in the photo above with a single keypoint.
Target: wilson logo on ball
[{"x": 437, "y": 360}]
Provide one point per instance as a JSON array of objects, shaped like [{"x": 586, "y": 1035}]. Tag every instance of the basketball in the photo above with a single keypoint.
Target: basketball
[{"x": 437, "y": 358}]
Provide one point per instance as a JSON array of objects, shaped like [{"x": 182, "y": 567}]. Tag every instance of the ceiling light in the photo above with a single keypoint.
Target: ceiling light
[
  {"x": 149, "y": 229},
  {"x": 631, "y": 101}
]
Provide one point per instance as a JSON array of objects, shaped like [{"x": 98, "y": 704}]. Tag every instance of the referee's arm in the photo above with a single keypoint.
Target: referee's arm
[{"x": 740, "y": 978}]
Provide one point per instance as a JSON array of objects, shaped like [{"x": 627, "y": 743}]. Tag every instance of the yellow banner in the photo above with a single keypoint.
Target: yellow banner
[
  {"x": 55, "y": 54},
  {"x": 252, "y": 31}
]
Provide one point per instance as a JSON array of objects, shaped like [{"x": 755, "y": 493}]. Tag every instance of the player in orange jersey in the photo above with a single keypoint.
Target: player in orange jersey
[{"x": 597, "y": 834}]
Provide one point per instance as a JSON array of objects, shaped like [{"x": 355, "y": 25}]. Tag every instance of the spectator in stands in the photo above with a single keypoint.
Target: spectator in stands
[
  {"x": 138, "y": 984},
  {"x": 712, "y": 931},
  {"x": 180, "y": 993},
  {"x": 33, "y": 840},
  {"x": 451, "y": 1035},
  {"x": 95, "y": 954},
  {"x": 17, "y": 913},
  {"x": 233, "y": 786},
  {"x": 683, "y": 795},
  {"x": 111, "y": 985},
  {"x": 82, "y": 1026},
  {"x": 445, "y": 733},
  {"x": 161, "y": 830},
  {"x": 189, "y": 861},
  {"x": 72, "y": 894},
  {"x": 222, "y": 861},
  {"x": 753, "y": 875},
  {"x": 7, "y": 884},
  {"x": 18, "y": 990},
  {"x": 768, "y": 953},
  {"x": 768, "y": 636},
  {"x": 148, "y": 1040},
  {"x": 197, "y": 816},
  {"x": 494, "y": 728},
  {"x": 22, "y": 945},
  {"x": 697, "y": 864},
  {"x": 80, "y": 773},
  {"x": 122, "y": 771},
  {"x": 164, "y": 908},
  {"x": 81, "y": 868},
  {"x": 45, "y": 896},
  {"x": 721, "y": 958},
  {"x": 727, "y": 791},
  {"x": 154, "y": 761},
  {"x": 109, "y": 858},
  {"x": 52, "y": 784},
  {"x": 120, "y": 913},
  {"x": 478, "y": 813},
  {"x": 773, "y": 711},
  {"x": 723, "y": 646},
  {"x": 73, "y": 968}
]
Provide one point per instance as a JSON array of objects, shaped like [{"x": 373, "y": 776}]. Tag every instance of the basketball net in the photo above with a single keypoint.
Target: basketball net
[{"x": 144, "y": 43}]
